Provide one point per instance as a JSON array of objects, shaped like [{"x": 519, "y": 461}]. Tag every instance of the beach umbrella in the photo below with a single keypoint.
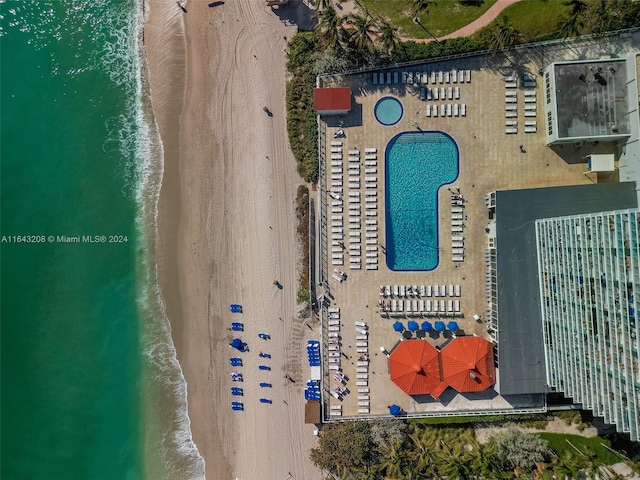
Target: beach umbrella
[
  {"x": 453, "y": 326},
  {"x": 398, "y": 326},
  {"x": 426, "y": 326},
  {"x": 413, "y": 326},
  {"x": 395, "y": 410},
  {"x": 440, "y": 327},
  {"x": 237, "y": 344}
]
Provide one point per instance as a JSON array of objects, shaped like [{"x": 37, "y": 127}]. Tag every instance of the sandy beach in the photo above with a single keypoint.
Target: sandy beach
[{"x": 226, "y": 229}]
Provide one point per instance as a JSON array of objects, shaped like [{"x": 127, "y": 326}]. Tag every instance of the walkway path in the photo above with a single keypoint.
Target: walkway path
[{"x": 469, "y": 29}]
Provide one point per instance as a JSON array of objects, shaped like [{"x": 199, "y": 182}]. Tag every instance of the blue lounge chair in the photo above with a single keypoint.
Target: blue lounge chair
[
  {"x": 265, "y": 384},
  {"x": 265, "y": 400},
  {"x": 264, "y": 355},
  {"x": 235, "y": 308},
  {"x": 264, "y": 336},
  {"x": 264, "y": 367}
]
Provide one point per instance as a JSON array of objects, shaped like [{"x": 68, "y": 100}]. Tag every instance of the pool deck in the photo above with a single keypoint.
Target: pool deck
[{"x": 490, "y": 160}]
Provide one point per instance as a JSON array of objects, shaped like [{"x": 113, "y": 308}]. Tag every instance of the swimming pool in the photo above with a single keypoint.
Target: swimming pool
[
  {"x": 388, "y": 111},
  {"x": 417, "y": 165}
]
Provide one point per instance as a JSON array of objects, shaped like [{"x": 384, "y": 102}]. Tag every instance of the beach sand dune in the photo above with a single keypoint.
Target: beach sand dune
[{"x": 226, "y": 229}]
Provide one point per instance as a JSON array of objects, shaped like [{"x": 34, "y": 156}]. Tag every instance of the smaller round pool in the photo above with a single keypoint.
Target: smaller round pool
[{"x": 388, "y": 111}]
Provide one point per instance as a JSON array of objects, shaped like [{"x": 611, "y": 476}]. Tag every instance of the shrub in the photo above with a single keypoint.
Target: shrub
[
  {"x": 520, "y": 450},
  {"x": 302, "y": 127}
]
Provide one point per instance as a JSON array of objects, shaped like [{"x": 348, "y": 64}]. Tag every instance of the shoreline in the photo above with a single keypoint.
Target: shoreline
[
  {"x": 226, "y": 228},
  {"x": 165, "y": 59}
]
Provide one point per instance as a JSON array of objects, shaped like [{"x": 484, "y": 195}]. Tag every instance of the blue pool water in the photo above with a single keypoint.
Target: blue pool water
[
  {"x": 417, "y": 165},
  {"x": 388, "y": 111}
]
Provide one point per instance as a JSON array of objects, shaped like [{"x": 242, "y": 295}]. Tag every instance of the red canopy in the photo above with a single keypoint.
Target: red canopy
[
  {"x": 414, "y": 367},
  {"x": 467, "y": 364}
]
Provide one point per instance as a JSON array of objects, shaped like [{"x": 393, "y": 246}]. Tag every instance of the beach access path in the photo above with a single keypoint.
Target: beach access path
[
  {"x": 226, "y": 229},
  {"x": 471, "y": 28}
]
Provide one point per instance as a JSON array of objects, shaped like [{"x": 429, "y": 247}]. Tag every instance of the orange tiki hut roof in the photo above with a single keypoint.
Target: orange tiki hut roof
[
  {"x": 414, "y": 367},
  {"x": 467, "y": 364}
]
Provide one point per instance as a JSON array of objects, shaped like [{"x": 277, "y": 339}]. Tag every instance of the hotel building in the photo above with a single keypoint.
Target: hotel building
[{"x": 589, "y": 277}]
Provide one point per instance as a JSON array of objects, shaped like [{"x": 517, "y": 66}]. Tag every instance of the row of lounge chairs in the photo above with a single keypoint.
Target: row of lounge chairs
[
  {"x": 511, "y": 101},
  {"x": 362, "y": 366},
  {"x": 457, "y": 213},
  {"x": 528, "y": 81},
  {"x": 418, "y": 306},
  {"x": 530, "y": 126},
  {"x": 512, "y": 97},
  {"x": 433, "y": 78},
  {"x": 353, "y": 208},
  {"x": 337, "y": 224},
  {"x": 402, "y": 291},
  {"x": 447, "y": 110},
  {"x": 428, "y": 94},
  {"x": 457, "y": 226},
  {"x": 370, "y": 209}
]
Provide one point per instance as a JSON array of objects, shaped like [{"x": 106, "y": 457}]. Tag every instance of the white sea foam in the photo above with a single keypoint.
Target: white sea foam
[{"x": 171, "y": 433}]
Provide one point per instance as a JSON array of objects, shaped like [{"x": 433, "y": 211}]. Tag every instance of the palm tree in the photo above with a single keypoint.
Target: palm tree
[
  {"x": 329, "y": 26},
  {"x": 392, "y": 459},
  {"x": 322, "y": 4},
  {"x": 422, "y": 6},
  {"x": 567, "y": 466},
  {"x": 504, "y": 35},
  {"x": 361, "y": 27},
  {"x": 573, "y": 24},
  {"x": 422, "y": 451},
  {"x": 365, "y": 473},
  {"x": 389, "y": 37},
  {"x": 454, "y": 462},
  {"x": 490, "y": 462}
]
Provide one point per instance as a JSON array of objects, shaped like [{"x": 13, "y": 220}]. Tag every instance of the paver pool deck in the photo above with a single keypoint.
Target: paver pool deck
[{"x": 490, "y": 160}]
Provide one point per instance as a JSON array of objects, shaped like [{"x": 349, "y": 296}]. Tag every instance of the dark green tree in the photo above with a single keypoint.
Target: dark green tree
[
  {"x": 344, "y": 446},
  {"x": 361, "y": 29},
  {"x": 421, "y": 6},
  {"x": 329, "y": 28},
  {"x": 503, "y": 35},
  {"x": 389, "y": 37}
]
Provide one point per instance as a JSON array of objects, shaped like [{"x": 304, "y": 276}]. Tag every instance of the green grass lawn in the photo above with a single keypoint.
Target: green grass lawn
[
  {"x": 558, "y": 442},
  {"x": 445, "y": 17},
  {"x": 536, "y": 19}
]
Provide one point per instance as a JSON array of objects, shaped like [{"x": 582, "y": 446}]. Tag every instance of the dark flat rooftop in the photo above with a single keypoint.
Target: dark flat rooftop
[
  {"x": 521, "y": 362},
  {"x": 592, "y": 98}
]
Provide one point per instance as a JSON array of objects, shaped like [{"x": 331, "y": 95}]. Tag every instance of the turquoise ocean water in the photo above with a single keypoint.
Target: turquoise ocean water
[{"x": 90, "y": 385}]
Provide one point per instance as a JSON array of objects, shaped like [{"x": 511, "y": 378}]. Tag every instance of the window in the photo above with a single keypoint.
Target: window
[{"x": 547, "y": 84}]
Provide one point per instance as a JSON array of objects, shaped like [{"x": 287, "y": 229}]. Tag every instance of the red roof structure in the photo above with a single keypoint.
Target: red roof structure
[
  {"x": 467, "y": 364},
  {"x": 414, "y": 367},
  {"x": 330, "y": 101}
]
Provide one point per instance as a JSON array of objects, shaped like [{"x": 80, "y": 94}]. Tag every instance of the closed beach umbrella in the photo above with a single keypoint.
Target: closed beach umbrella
[
  {"x": 426, "y": 326},
  {"x": 440, "y": 327},
  {"x": 453, "y": 326},
  {"x": 413, "y": 326},
  {"x": 237, "y": 343},
  {"x": 395, "y": 410},
  {"x": 398, "y": 326}
]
